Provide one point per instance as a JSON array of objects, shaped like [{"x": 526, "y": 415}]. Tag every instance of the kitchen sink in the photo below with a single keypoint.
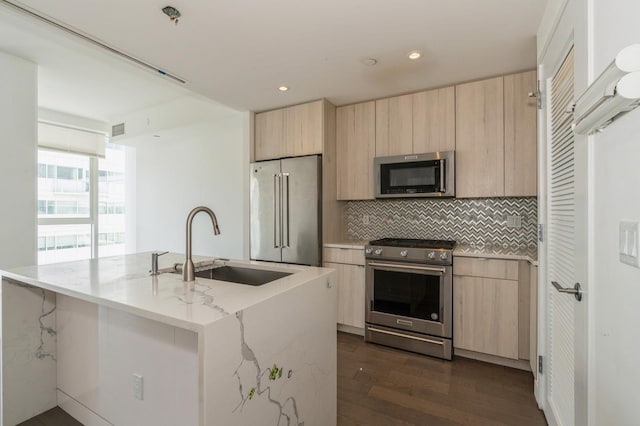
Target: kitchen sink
[{"x": 237, "y": 274}]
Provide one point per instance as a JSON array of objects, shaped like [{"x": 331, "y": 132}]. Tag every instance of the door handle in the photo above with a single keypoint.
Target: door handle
[
  {"x": 576, "y": 290},
  {"x": 276, "y": 211},
  {"x": 285, "y": 183}
]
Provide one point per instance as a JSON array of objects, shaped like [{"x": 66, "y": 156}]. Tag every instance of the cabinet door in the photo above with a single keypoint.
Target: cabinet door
[
  {"x": 520, "y": 135},
  {"x": 394, "y": 126},
  {"x": 485, "y": 315},
  {"x": 355, "y": 139},
  {"x": 350, "y": 294},
  {"x": 480, "y": 139},
  {"x": 303, "y": 133},
  {"x": 434, "y": 126},
  {"x": 269, "y": 135}
]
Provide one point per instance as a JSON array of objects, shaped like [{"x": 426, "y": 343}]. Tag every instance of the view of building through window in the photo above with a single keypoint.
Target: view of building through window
[{"x": 68, "y": 214}]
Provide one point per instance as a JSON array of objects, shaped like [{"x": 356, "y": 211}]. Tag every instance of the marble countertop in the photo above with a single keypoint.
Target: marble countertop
[
  {"x": 497, "y": 252},
  {"x": 124, "y": 283}
]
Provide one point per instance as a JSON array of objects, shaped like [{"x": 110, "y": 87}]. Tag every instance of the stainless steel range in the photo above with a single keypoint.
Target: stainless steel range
[{"x": 409, "y": 295}]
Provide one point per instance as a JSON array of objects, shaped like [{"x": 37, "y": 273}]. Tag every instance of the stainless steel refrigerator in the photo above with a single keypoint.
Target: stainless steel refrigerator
[{"x": 286, "y": 210}]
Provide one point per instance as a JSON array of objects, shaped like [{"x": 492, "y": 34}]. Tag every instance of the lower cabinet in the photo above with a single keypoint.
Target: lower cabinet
[
  {"x": 486, "y": 315},
  {"x": 491, "y": 307},
  {"x": 350, "y": 294},
  {"x": 349, "y": 263}
]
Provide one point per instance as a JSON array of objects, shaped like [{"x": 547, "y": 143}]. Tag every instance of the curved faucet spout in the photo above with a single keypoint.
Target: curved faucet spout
[{"x": 188, "y": 270}]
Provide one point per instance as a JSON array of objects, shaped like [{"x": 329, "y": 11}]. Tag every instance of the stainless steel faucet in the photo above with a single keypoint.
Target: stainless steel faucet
[{"x": 188, "y": 270}]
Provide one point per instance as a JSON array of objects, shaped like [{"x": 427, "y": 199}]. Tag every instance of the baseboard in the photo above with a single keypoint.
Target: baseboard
[
  {"x": 351, "y": 329},
  {"x": 79, "y": 411},
  {"x": 520, "y": 364}
]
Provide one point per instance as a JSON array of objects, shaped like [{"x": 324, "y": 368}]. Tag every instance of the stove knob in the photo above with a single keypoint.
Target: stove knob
[
  {"x": 368, "y": 251},
  {"x": 443, "y": 256},
  {"x": 431, "y": 255},
  {"x": 378, "y": 252},
  {"x": 404, "y": 253}
]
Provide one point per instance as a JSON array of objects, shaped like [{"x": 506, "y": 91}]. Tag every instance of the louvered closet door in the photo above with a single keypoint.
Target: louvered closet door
[{"x": 561, "y": 248}]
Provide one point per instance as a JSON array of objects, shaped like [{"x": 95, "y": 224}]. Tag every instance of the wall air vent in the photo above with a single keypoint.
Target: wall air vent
[
  {"x": 117, "y": 130},
  {"x": 87, "y": 38}
]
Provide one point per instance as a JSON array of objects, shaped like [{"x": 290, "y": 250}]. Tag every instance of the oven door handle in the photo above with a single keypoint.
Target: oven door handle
[
  {"x": 406, "y": 336},
  {"x": 415, "y": 268}
]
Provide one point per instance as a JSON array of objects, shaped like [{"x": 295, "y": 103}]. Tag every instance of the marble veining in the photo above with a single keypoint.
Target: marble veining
[
  {"x": 274, "y": 373},
  {"x": 45, "y": 330},
  {"x": 204, "y": 298}
]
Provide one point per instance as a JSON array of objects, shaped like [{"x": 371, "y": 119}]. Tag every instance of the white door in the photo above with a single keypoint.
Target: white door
[{"x": 562, "y": 387}]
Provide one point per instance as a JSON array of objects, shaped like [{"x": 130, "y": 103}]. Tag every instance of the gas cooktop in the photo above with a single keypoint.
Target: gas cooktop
[{"x": 414, "y": 243}]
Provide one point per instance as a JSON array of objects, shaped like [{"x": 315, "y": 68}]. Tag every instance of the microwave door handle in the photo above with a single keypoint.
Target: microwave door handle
[{"x": 443, "y": 189}]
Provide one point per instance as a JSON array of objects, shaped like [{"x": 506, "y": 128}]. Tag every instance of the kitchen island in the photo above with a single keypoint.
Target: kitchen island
[{"x": 111, "y": 344}]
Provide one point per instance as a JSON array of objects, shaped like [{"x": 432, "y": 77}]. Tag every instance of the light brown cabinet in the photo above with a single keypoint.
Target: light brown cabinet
[
  {"x": 269, "y": 137},
  {"x": 434, "y": 125},
  {"x": 416, "y": 123},
  {"x": 349, "y": 264},
  {"x": 289, "y": 132},
  {"x": 492, "y": 310},
  {"x": 496, "y": 137},
  {"x": 355, "y": 144},
  {"x": 480, "y": 139},
  {"x": 520, "y": 134}
]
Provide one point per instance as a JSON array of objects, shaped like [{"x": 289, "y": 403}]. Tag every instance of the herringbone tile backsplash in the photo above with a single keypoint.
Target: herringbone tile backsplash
[{"x": 479, "y": 222}]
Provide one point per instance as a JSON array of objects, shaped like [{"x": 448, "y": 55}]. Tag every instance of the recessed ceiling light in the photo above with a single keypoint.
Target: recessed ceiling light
[
  {"x": 413, "y": 55},
  {"x": 283, "y": 88},
  {"x": 370, "y": 62}
]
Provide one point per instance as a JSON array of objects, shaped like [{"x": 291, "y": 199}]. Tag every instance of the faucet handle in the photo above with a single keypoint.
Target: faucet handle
[{"x": 154, "y": 261}]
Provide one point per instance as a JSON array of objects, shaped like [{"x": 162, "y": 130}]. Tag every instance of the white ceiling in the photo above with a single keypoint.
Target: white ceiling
[
  {"x": 238, "y": 52},
  {"x": 78, "y": 79}
]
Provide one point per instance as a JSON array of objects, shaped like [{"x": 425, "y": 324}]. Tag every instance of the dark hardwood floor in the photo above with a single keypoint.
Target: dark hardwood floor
[
  {"x": 383, "y": 386},
  {"x": 53, "y": 417},
  {"x": 388, "y": 387}
]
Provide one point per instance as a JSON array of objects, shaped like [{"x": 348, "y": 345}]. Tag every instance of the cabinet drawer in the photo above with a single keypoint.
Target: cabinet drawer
[
  {"x": 486, "y": 268},
  {"x": 344, "y": 255}
]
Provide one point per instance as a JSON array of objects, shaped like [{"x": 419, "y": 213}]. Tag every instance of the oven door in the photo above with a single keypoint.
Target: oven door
[{"x": 409, "y": 296}]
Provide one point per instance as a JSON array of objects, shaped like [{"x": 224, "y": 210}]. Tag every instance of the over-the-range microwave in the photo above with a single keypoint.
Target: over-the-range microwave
[{"x": 418, "y": 175}]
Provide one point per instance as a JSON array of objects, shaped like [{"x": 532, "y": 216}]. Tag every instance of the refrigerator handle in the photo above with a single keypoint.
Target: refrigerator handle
[
  {"x": 276, "y": 210},
  {"x": 286, "y": 210}
]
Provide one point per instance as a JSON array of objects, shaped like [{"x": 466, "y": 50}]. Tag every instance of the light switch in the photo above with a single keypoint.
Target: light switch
[
  {"x": 629, "y": 241},
  {"x": 514, "y": 221}
]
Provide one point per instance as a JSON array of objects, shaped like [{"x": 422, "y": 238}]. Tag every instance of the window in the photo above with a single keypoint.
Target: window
[{"x": 80, "y": 217}]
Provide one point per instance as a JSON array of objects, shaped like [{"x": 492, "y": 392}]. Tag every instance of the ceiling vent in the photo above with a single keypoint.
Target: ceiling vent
[{"x": 117, "y": 130}]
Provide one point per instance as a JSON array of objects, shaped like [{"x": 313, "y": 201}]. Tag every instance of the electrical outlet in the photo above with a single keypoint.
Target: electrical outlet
[
  {"x": 514, "y": 221},
  {"x": 365, "y": 219},
  {"x": 629, "y": 243},
  {"x": 138, "y": 386}
]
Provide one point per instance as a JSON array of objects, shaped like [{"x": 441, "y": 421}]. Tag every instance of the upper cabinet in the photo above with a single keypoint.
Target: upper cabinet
[
  {"x": 417, "y": 123},
  {"x": 496, "y": 137},
  {"x": 480, "y": 139},
  {"x": 394, "y": 126},
  {"x": 269, "y": 137},
  {"x": 434, "y": 120},
  {"x": 289, "y": 132},
  {"x": 356, "y": 145},
  {"x": 520, "y": 135}
]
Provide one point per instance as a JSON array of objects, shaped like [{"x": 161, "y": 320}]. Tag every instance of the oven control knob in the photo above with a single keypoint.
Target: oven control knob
[
  {"x": 443, "y": 256},
  {"x": 404, "y": 253},
  {"x": 431, "y": 255},
  {"x": 368, "y": 251},
  {"x": 378, "y": 252}
]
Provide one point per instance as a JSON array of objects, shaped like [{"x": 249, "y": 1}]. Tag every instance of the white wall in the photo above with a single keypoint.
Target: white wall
[
  {"x": 18, "y": 112},
  {"x": 616, "y": 287},
  {"x": 184, "y": 168}
]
